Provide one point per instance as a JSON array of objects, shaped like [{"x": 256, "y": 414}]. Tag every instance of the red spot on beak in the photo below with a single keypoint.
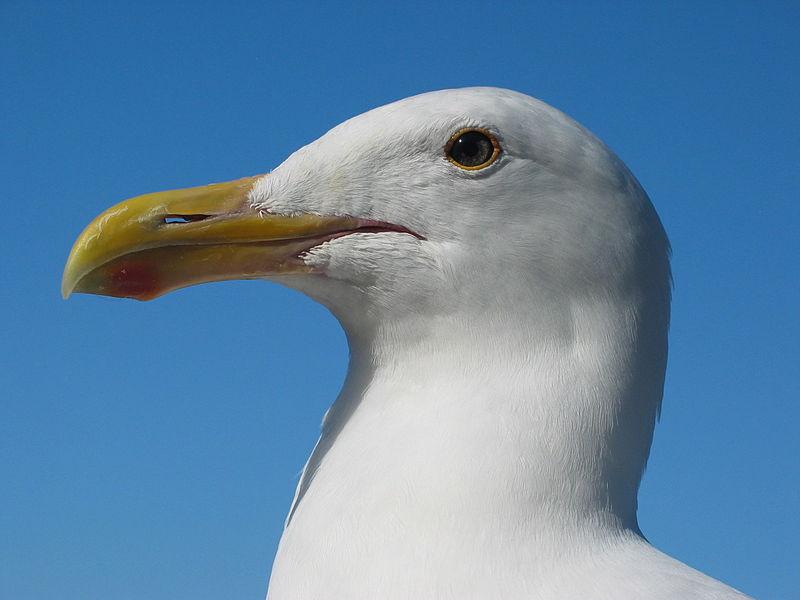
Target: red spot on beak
[{"x": 133, "y": 279}]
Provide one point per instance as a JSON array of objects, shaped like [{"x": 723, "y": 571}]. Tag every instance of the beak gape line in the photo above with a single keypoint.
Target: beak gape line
[{"x": 153, "y": 244}]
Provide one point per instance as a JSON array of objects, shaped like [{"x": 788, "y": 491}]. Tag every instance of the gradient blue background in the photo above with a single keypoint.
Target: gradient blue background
[{"x": 150, "y": 450}]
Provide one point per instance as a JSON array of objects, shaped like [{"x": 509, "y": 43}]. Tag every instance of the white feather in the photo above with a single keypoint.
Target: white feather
[{"x": 506, "y": 370}]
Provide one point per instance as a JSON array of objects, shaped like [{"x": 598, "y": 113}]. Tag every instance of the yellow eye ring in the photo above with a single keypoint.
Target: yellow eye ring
[{"x": 472, "y": 148}]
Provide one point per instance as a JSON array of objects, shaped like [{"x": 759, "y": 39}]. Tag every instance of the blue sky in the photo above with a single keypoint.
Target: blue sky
[{"x": 150, "y": 450}]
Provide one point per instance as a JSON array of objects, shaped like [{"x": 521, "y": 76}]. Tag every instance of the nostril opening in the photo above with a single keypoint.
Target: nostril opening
[{"x": 172, "y": 219}]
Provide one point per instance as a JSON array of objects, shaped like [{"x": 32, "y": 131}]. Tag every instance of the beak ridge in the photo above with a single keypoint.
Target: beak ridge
[{"x": 155, "y": 243}]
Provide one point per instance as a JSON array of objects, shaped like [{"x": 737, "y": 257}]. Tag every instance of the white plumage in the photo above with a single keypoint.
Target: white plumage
[
  {"x": 507, "y": 362},
  {"x": 504, "y": 284}
]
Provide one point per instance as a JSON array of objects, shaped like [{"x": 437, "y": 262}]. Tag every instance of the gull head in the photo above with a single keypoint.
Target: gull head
[{"x": 444, "y": 203}]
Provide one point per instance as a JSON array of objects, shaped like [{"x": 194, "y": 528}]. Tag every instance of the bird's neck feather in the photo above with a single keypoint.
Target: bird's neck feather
[{"x": 532, "y": 425}]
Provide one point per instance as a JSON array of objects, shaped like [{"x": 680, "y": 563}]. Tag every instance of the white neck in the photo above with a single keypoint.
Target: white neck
[{"x": 526, "y": 441}]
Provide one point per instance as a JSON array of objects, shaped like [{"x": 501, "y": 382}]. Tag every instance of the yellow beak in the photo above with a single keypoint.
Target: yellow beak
[{"x": 153, "y": 244}]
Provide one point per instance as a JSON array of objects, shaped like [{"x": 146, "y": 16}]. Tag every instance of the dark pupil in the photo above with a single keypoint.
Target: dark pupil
[{"x": 472, "y": 149}]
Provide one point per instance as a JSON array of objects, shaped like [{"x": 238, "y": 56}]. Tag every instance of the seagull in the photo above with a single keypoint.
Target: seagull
[{"x": 504, "y": 284}]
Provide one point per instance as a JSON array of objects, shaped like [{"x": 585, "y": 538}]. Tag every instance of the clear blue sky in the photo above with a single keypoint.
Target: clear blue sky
[{"x": 150, "y": 450}]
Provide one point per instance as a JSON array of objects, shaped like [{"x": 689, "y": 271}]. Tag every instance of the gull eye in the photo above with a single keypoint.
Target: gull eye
[{"x": 472, "y": 149}]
